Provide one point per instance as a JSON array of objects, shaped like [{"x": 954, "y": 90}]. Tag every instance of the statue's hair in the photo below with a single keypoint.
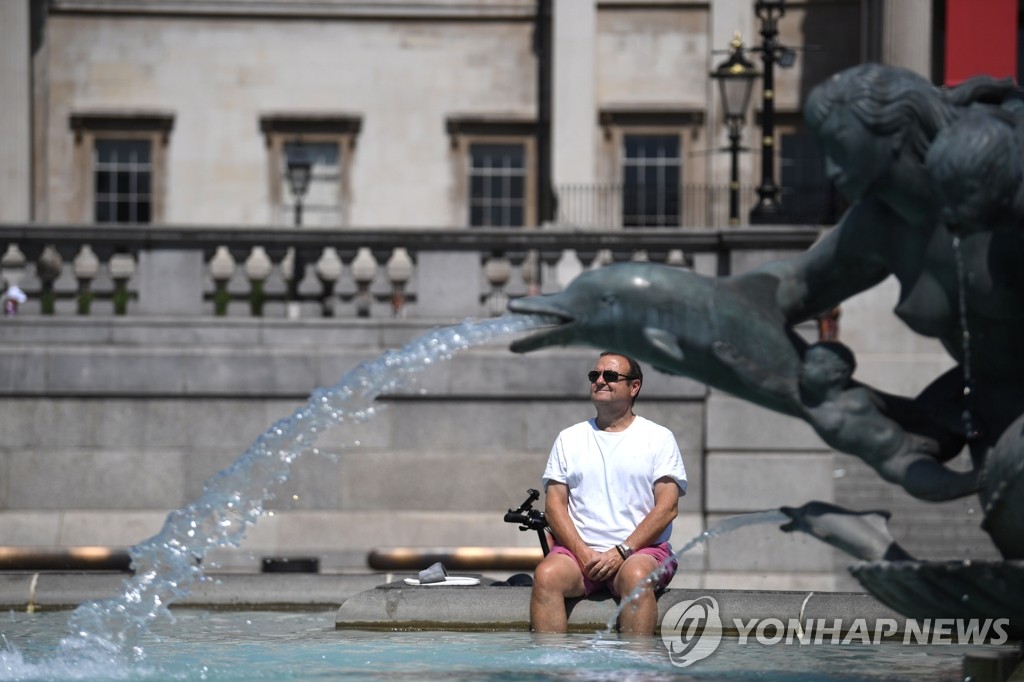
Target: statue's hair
[
  {"x": 983, "y": 89},
  {"x": 841, "y": 351},
  {"x": 983, "y": 147},
  {"x": 889, "y": 99}
]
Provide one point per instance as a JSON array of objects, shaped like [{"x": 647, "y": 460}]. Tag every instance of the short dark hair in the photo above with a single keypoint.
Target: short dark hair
[{"x": 635, "y": 371}]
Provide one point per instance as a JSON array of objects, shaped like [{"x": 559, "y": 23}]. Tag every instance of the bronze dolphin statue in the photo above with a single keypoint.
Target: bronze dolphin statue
[{"x": 670, "y": 317}]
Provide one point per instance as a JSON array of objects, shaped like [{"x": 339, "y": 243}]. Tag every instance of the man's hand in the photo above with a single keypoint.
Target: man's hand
[{"x": 603, "y": 566}]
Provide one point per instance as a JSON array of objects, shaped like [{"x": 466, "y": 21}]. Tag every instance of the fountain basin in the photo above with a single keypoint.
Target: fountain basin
[
  {"x": 949, "y": 589},
  {"x": 396, "y": 606}
]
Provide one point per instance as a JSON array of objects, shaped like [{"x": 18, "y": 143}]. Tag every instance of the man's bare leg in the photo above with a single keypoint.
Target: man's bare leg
[
  {"x": 555, "y": 578},
  {"x": 640, "y": 616}
]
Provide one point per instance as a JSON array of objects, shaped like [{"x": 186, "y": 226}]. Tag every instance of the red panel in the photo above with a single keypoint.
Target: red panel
[{"x": 981, "y": 38}]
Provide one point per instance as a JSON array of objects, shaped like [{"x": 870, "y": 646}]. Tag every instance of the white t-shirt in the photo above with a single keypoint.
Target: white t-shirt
[{"x": 611, "y": 475}]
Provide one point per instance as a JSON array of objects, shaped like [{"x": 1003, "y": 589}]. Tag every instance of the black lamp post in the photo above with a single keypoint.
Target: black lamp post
[
  {"x": 735, "y": 81},
  {"x": 769, "y": 12},
  {"x": 298, "y": 169}
]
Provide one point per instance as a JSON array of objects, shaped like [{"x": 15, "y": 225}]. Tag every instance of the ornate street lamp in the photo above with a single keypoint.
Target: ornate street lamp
[
  {"x": 735, "y": 77},
  {"x": 769, "y": 12},
  {"x": 298, "y": 170}
]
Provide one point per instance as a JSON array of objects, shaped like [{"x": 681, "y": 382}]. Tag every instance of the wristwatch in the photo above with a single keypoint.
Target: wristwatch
[{"x": 624, "y": 550}]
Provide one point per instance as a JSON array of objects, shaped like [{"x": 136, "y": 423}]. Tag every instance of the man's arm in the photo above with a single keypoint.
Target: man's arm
[
  {"x": 556, "y": 513},
  {"x": 666, "y": 508}
]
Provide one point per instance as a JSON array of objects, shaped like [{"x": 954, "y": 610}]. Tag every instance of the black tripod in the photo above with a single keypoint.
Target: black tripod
[{"x": 529, "y": 518}]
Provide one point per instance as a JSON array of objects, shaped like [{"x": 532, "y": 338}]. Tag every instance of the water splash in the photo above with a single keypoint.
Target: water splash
[
  {"x": 108, "y": 633},
  {"x": 724, "y": 526}
]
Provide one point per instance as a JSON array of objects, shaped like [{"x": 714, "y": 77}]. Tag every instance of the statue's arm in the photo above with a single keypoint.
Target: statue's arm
[
  {"x": 847, "y": 260},
  {"x": 917, "y": 471}
]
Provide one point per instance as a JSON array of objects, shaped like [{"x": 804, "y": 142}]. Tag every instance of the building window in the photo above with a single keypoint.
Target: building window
[
  {"x": 651, "y": 180},
  {"x": 497, "y": 185},
  {"x": 644, "y": 158},
  {"x": 493, "y": 162},
  {"x": 122, "y": 181},
  {"x": 328, "y": 142},
  {"x": 119, "y": 161}
]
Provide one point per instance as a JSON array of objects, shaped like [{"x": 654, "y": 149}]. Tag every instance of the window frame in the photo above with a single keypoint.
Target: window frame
[
  {"x": 624, "y": 160},
  {"x": 466, "y": 131},
  {"x": 278, "y": 130},
  {"x": 619, "y": 122},
  {"x": 90, "y": 127}
]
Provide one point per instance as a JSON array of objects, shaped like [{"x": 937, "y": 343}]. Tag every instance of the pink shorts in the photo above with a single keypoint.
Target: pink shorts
[{"x": 660, "y": 552}]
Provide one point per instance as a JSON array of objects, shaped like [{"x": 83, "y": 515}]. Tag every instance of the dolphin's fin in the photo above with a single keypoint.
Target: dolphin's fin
[{"x": 664, "y": 342}]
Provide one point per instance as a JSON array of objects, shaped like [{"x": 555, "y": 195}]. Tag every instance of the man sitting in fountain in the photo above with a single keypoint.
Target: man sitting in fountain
[{"x": 612, "y": 490}]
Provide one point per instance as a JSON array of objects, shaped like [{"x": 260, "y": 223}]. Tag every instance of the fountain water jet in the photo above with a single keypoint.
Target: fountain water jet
[{"x": 166, "y": 566}]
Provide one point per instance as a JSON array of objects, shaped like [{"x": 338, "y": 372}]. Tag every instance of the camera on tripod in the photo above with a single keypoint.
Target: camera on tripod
[{"x": 529, "y": 518}]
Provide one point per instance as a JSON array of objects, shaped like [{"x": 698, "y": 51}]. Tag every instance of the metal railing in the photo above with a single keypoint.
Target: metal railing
[
  {"x": 615, "y": 205},
  {"x": 246, "y": 271}
]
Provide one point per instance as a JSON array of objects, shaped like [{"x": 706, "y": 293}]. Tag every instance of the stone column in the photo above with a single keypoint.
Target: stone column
[
  {"x": 574, "y": 107},
  {"x": 907, "y": 35},
  {"x": 15, "y": 112}
]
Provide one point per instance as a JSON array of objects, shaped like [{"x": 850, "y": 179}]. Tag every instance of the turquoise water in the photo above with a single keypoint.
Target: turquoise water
[{"x": 272, "y": 646}]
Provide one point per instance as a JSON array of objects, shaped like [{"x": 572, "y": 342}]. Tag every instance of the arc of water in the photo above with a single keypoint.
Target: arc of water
[{"x": 168, "y": 564}]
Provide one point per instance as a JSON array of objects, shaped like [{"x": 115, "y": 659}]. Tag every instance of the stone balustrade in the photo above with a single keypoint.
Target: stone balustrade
[{"x": 248, "y": 271}]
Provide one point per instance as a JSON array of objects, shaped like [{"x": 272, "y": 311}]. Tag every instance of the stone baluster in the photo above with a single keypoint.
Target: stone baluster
[
  {"x": 677, "y": 258},
  {"x": 12, "y": 265},
  {"x": 497, "y": 270},
  {"x": 48, "y": 268},
  {"x": 222, "y": 268},
  {"x": 567, "y": 269},
  {"x": 602, "y": 258},
  {"x": 399, "y": 271},
  {"x": 122, "y": 269},
  {"x": 295, "y": 266},
  {"x": 328, "y": 270},
  {"x": 530, "y": 270},
  {"x": 258, "y": 267},
  {"x": 86, "y": 266},
  {"x": 547, "y": 263},
  {"x": 364, "y": 270}
]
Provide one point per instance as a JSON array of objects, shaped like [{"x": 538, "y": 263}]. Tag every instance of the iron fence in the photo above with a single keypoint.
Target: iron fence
[{"x": 618, "y": 205}]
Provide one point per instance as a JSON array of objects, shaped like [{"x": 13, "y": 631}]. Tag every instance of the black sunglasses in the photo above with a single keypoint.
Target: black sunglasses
[{"x": 608, "y": 375}]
